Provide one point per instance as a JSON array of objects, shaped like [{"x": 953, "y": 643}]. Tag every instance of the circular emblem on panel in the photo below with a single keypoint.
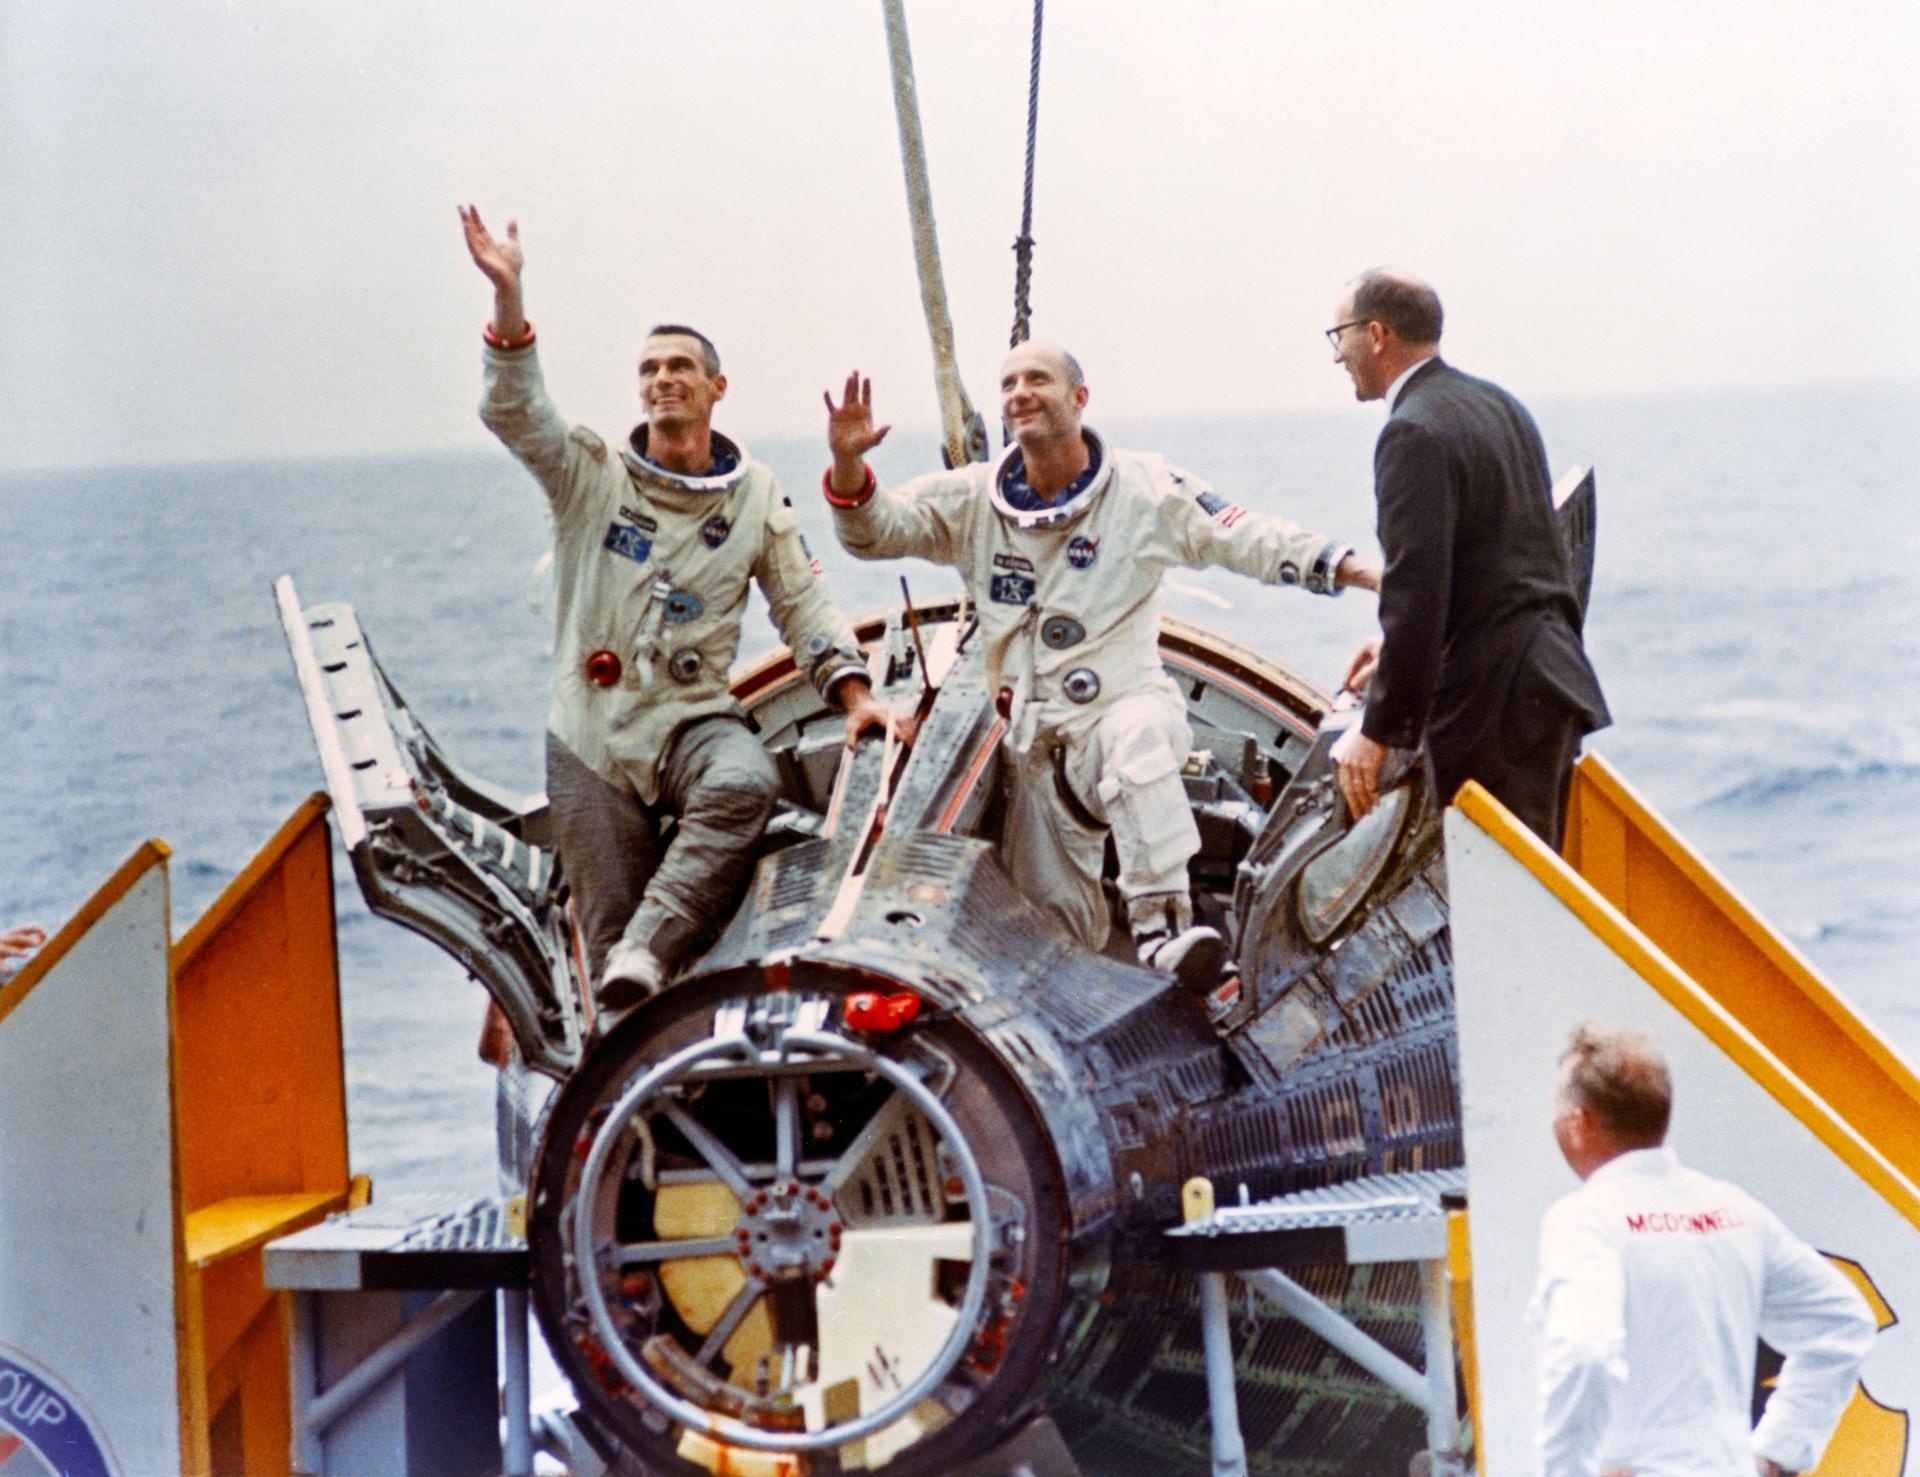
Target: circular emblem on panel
[
  {"x": 44, "y": 1432},
  {"x": 713, "y": 533},
  {"x": 1082, "y": 551},
  {"x": 1062, "y": 631},
  {"x": 1082, "y": 684},
  {"x": 683, "y": 606}
]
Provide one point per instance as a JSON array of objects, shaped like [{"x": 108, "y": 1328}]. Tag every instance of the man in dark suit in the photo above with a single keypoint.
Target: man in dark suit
[{"x": 1479, "y": 655}]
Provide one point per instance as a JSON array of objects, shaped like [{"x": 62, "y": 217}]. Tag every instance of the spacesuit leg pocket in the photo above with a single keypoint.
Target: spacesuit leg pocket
[
  {"x": 1146, "y": 804},
  {"x": 1052, "y": 858}
]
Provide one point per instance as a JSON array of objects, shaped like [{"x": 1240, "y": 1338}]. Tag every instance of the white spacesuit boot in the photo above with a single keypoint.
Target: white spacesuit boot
[
  {"x": 642, "y": 961},
  {"x": 634, "y": 974},
  {"x": 1165, "y": 938}
]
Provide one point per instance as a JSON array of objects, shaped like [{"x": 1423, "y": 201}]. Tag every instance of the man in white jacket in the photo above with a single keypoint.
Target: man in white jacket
[
  {"x": 654, "y": 547},
  {"x": 1656, "y": 1285},
  {"x": 1062, "y": 542}
]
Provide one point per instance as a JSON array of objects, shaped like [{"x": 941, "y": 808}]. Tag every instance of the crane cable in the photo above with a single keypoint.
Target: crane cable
[{"x": 1023, "y": 243}]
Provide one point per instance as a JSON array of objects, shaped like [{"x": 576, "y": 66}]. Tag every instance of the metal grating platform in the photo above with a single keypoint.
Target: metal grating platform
[
  {"x": 406, "y": 1242},
  {"x": 1378, "y": 1218}
]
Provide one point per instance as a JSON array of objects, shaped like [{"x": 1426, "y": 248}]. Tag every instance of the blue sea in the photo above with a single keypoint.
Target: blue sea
[{"x": 1753, "y": 621}]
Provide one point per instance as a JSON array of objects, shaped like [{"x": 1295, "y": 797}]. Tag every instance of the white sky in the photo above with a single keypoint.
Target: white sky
[{"x": 228, "y": 225}]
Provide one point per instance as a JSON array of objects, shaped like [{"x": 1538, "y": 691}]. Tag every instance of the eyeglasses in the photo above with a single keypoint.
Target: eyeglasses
[{"x": 1333, "y": 334}]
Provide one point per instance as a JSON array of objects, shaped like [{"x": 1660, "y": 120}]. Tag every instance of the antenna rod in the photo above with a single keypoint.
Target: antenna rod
[{"x": 913, "y": 625}]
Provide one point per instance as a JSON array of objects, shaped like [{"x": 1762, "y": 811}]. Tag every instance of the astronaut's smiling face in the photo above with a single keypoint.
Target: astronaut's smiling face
[
  {"x": 675, "y": 388},
  {"x": 1038, "y": 399}
]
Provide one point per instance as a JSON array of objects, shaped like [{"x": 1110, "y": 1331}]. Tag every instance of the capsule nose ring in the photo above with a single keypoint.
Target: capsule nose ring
[{"x": 603, "y": 669}]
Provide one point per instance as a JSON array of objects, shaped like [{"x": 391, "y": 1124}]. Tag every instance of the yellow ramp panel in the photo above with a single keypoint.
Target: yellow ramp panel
[{"x": 1639, "y": 864}]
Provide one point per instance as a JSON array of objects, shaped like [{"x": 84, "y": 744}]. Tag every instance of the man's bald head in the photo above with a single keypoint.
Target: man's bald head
[
  {"x": 1397, "y": 300},
  {"x": 1042, "y": 393},
  {"x": 1050, "y": 352}
]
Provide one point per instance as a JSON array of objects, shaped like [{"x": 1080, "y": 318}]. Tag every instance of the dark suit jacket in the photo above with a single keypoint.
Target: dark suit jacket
[{"x": 1477, "y": 606}]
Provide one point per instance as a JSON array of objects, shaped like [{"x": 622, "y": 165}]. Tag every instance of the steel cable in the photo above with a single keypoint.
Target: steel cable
[{"x": 1023, "y": 243}]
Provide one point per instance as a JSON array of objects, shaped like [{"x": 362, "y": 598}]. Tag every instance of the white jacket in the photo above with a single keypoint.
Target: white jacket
[
  {"x": 653, "y": 567},
  {"x": 1069, "y": 611},
  {"x": 1655, "y": 1285}
]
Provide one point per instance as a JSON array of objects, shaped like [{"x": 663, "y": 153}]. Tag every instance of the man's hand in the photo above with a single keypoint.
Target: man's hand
[
  {"x": 1767, "y": 1467},
  {"x": 501, "y": 262},
  {"x": 16, "y": 944},
  {"x": 1358, "y": 573},
  {"x": 1366, "y": 661},
  {"x": 865, "y": 712},
  {"x": 850, "y": 434},
  {"x": 1359, "y": 759}
]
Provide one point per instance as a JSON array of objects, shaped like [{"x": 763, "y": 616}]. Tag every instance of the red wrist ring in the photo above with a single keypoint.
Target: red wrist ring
[
  {"x": 866, "y": 491},
  {"x": 492, "y": 336}
]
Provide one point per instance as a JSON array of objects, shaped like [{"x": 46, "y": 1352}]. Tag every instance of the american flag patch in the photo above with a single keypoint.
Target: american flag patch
[
  {"x": 1224, "y": 513},
  {"x": 813, "y": 560}
]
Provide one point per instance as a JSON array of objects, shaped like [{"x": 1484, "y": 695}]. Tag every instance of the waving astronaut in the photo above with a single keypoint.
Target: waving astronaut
[
  {"x": 1062, "y": 543},
  {"x": 654, "y": 547}
]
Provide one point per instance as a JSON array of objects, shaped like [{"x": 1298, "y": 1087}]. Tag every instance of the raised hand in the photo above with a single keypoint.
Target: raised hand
[
  {"x": 850, "y": 432},
  {"x": 501, "y": 261}
]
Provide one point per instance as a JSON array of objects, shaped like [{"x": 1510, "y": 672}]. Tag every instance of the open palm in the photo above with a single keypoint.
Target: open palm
[
  {"x": 850, "y": 431},
  {"x": 500, "y": 260}
]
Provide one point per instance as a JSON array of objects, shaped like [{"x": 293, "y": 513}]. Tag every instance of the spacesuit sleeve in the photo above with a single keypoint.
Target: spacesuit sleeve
[
  {"x": 821, "y": 640},
  {"x": 1203, "y": 528},
  {"x": 926, "y": 518},
  {"x": 515, "y": 408},
  {"x": 1580, "y": 1307},
  {"x": 1809, "y": 1312}
]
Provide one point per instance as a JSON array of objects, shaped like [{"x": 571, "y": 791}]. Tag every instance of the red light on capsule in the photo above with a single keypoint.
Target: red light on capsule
[
  {"x": 603, "y": 669},
  {"x": 876, "y": 1013}
]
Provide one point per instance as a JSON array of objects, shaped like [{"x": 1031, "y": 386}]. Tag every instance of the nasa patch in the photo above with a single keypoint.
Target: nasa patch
[
  {"x": 628, "y": 543},
  {"x": 713, "y": 533},
  {"x": 1082, "y": 551},
  {"x": 1010, "y": 589}
]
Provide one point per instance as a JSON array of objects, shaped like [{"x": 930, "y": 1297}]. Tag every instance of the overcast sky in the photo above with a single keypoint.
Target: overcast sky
[{"x": 229, "y": 230}]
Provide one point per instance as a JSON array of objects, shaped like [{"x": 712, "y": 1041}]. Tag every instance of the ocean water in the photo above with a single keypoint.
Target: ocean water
[{"x": 1753, "y": 622}]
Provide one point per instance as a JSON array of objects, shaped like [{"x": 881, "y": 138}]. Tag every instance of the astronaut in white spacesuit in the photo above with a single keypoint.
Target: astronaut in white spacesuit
[
  {"x": 654, "y": 546},
  {"x": 1657, "y": 1284},
  {"x": 1062, "y": 542}
]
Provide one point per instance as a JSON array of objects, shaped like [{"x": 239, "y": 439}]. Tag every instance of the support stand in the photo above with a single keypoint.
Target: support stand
[
  {"x": 383, "y": 1383},
  {"x": 1384, "y": 1218}
]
